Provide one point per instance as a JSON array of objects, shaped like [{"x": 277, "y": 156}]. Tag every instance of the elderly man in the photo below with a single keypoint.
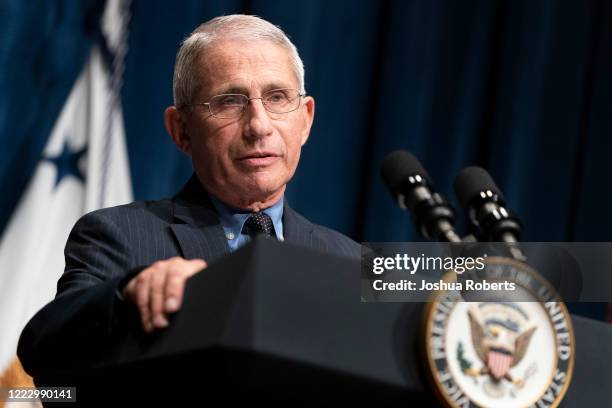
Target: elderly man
[{"x": 241, "y": 113}]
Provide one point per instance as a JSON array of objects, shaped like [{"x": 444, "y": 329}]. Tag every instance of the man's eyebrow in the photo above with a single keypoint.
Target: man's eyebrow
[
  {"x": 237, "y": 89},
  {"x": 232, "y": 89},
  {"x": 276, "y": 85}
]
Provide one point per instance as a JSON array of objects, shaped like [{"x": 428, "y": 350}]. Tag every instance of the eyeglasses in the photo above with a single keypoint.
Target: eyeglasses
[{"x": 232, "y": 106}]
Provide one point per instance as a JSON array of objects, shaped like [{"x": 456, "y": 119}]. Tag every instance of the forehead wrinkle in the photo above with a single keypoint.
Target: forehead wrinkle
[{"x": 255, "y": 69}]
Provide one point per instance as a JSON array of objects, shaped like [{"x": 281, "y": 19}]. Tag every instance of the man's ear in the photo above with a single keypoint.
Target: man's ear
[
  {"x": 177, "y": 129},
  {"x": 308, "y": 111}
]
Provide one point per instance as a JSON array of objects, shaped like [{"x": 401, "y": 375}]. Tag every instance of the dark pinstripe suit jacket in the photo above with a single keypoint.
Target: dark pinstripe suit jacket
[{"x": 108, "y": 246}]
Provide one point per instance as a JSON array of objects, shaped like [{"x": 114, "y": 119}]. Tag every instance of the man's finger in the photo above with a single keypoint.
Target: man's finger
[
  {"x": 158, "y": 282},
  {"x": 194, "y": 266},
  {"x": 141, "y": 288},
  {"x": 175, "y": 285}
]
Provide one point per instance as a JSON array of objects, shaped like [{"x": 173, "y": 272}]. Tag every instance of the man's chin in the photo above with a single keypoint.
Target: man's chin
[
  {"x": 263, "y": 193},
  {"x": 263, "y": 190}
]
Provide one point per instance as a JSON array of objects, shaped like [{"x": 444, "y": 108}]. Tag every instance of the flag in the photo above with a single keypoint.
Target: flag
[{"x": 83, "y": 167}]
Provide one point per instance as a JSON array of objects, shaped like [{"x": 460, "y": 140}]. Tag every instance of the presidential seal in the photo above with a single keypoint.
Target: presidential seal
[{"x": 500, "y": 353}]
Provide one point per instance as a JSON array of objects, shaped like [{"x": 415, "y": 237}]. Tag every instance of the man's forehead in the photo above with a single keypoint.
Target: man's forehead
[{"x": 237, "y": 66}]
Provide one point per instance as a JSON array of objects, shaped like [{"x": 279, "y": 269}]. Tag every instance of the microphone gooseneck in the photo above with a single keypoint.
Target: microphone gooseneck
[{"x": 411, "y": 187}]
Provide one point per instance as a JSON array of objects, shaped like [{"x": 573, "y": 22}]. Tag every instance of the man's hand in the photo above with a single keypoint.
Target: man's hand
[{"x": 158, "y": 289}]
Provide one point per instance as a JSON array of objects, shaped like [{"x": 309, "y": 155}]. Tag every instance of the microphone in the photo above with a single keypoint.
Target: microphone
[
  {"x": 485, "y": 206},
  {"x": 411, "y": 186}
]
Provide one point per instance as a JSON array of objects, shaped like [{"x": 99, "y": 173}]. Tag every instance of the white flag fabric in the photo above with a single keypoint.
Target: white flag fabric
[{"x": 84, "y": 166}]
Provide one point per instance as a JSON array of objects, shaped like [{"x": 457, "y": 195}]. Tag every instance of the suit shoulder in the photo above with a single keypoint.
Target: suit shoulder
[{"x": 136, "y": 210}]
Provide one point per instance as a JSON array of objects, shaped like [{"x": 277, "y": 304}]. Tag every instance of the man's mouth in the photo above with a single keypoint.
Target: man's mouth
[{"x": 258, "y": 159}]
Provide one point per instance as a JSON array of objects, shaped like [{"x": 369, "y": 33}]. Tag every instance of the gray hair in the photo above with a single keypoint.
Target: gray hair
[{"x": 236, "y": 26}]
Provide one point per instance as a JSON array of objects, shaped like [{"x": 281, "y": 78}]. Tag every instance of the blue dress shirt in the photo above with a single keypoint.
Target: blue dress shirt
[{"x": 233, "y": 219}]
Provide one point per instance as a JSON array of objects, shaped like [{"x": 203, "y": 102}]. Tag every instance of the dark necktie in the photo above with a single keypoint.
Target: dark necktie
[{"x": 259, "y": 223}]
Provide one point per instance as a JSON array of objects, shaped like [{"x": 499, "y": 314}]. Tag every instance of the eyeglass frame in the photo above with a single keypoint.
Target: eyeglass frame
[{"x": 299, "y": 95}]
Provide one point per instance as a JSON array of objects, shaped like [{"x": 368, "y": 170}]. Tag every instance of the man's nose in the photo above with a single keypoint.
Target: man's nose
[{"x": 257, "y": 123}]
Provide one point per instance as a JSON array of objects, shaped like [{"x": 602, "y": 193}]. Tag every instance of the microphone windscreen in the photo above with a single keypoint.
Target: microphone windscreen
[
  {"x": 471, "y": 181},
  {"x": 397, "y": 166}
]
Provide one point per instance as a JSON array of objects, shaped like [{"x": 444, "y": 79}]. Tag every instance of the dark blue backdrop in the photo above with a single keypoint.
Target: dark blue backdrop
[{"x": 520, "y": 87}]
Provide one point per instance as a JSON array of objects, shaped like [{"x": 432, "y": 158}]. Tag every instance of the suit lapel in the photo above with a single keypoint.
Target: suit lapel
[
  {"x": 299, "y": 231},
  {"x": 196, "y": 225}
]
